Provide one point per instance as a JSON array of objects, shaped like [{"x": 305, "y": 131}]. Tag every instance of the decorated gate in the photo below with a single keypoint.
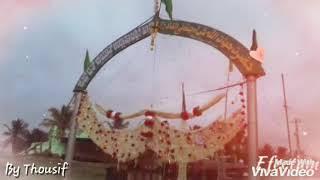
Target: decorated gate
[{"x": 156, "y": 134}]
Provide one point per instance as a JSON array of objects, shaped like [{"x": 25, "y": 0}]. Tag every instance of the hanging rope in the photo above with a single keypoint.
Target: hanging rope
[
  {"x": 154, "y": 48},
  {"x": 227, "y": 92},
  {"x": 154, "y": 72},
  {"x": 206, "y": 91},
  {"x": 217, "y": 89},
  {"x": 155, "y": 27}
]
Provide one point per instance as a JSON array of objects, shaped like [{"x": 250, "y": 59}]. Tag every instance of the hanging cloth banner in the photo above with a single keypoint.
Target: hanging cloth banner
[{"x": 169, "y": 143}]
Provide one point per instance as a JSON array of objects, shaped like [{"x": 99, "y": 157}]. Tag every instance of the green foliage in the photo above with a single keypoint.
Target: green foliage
[
  {"x": 35, "y": 138},
  {"x": 37, "y": 135}
]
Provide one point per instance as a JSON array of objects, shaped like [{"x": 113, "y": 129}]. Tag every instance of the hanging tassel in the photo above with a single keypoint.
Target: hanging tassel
[
  {"x": 155, "y": 25},
  {"x": 184, "y": 114},
  {"x": 153, "y": 39}
]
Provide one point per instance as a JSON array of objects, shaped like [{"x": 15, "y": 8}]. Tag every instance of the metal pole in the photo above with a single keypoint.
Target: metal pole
[
  {"x": 287, "y": 115},
  {"x": 297, "y": 121},
  {"x": 252, "y": 124},
  {"x": 73, "y": 131}
]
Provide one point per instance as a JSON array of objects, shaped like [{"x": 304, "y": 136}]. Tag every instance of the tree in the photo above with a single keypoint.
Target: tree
[
  {"x": 59, "y": 118},
  {"x": 36, "y": 136},
  {"x": 17, "y": 135},
  {"x": 266, "y": 150},
  {"x": 282, "y": 152}
]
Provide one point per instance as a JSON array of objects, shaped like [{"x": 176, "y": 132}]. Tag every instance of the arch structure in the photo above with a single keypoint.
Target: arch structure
[{"x": 236, "y": 52}]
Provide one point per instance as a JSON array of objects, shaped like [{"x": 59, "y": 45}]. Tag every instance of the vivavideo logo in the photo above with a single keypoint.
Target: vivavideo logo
[{"x": 280, "y": 167}]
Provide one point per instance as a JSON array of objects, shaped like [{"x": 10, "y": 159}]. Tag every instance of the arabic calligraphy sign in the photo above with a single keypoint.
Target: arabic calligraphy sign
[{"x": 230, "y": 47}]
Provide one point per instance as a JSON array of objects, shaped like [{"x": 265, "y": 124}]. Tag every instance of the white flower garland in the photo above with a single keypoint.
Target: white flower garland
[{"x": 170, "y": 144}]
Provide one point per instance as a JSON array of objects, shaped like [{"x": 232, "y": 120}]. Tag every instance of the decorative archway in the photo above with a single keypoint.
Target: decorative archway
[
  {"x": 236, "y": 52},
  {"x": 230, "y": 47}
]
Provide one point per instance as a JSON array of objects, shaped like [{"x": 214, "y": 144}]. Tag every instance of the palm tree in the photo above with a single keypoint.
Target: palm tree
[
  {"x": 59, "y": 118},
  {"x": 37, "y": 136},
  {"x": 17, "y": 135}
]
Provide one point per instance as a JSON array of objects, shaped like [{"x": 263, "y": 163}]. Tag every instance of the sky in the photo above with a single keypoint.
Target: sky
[{"x": 43, "y": 44}]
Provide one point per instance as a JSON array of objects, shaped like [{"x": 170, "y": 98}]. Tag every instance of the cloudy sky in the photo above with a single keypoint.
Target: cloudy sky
[{"x": 43, "y": 43}]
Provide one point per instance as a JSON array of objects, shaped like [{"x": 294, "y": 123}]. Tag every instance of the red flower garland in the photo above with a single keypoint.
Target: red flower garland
[
  {"x": 149, "y": 123},
  {"x": 117, "y": 116},
  {"x": 148, "y": 134},
  {"x": 196, "y": 111},
  {"x": 243, "y": 112},
  {"x": 150, "y": 113},
  {"x": 184, "y": 115},
  {"x": 109, "y": 114}
]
